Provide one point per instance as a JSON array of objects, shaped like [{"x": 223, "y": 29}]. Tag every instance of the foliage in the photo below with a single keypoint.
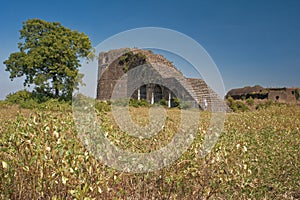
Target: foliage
[
  {"x": 129, "y": 60},
  {"x": 236, "y": 105},
  {"x": 163, "y": 102},
  {"x": 19, "y": 97},
  {"x": 5, "y": 104},
  {"x": 130, "y": 102},
  {"x": 185, "y": 105},
  {"x": 178, "y": 103},
  {"x": 48, "y": 57},
  {"x": 257, "y": 157},
  {"x": 138, "y": 103},
  {"x": 265, "y": 105},
  {"x": 34, "y": 100},
  {"x": 250, "y": 101},
  {"x": 297, "y": 94},
  {"x": 102, "y": 106}
]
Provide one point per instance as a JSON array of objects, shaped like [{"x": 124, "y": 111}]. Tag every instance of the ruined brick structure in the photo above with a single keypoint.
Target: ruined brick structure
[
  {"x": 166, "y": 81},
  {"x": 282, "y": 95}
]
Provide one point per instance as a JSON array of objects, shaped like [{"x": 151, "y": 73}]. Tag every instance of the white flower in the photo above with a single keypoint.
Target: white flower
[
  {"x": 56, "y": 134},
  {"x": 4, "y": 165},
  {"x": 64, "y": 180}
]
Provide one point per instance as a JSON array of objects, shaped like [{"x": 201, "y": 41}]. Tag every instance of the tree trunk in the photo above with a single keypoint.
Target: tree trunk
[
  {"x": 56, "y": 92},
  {"x": 55, "y": 85}
]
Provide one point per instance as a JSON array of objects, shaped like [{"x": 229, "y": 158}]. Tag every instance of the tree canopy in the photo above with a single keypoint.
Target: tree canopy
[{"x": 48, "y": 57}]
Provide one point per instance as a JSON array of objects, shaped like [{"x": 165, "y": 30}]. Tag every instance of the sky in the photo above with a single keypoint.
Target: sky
[{"x": 253, "y": 42}]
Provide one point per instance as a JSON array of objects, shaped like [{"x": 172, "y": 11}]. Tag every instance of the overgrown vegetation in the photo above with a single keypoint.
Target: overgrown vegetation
[
  {"x": 250, "y": 101},
  {"x": 257, "y": 157},
  {"x": 130, "y": 60},
  {"x": 138, "y": 103},
  {"x": 178, "y": 103},
  {"x": 250, "y": 104},
  {"x": 236, "y": 105},
  {"x": 35, "y": 100},
  {"x": 297, "y": 94},
  {"x": 266, "y": 104}
]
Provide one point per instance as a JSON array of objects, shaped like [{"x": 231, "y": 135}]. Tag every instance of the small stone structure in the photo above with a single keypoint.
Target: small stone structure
[
  {"x": 282, "y": 95},
  {"x": 163, "y": 80}
]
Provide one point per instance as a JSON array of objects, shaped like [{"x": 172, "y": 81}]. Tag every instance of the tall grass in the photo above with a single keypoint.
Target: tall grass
[{"x": 256, "y": 157}]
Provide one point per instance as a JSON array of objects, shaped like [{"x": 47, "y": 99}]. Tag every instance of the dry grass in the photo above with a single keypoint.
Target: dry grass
[{"x": 257, "y": 157}]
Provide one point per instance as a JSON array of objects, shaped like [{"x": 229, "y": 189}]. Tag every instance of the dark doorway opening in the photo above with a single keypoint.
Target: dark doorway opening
[
  {"x": 157, "y": 93},
  {"x": 143, "y": 92}
]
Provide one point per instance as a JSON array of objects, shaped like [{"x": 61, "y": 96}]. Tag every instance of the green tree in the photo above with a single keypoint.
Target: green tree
[{"x": 49, "y": 57}]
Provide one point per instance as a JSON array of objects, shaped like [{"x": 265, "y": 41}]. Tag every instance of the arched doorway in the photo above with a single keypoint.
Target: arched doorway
[
  {"x": 143, "y": 92},
  {"x": 157, "y": 93}
]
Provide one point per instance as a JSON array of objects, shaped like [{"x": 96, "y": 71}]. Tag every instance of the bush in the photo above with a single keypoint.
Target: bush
[
  {"x": 185, "y": 105},
  {"x": 55, "y": 105},
  {"x": 297, "y": 94},
  {"x": 19, "y": 97},
  {"x": 102, "y": 106},
  {"x": 265, "y": 105},
  {"x": 250, "y": 101},
  {"x": 34, "y": 100},
  {"x": 4, "y": 104},
  {"x": 138, "y": 103},
  {"x": 236, "y": 106},
  {"x": 163, "y": 102},
  {"x": 178, "y": 103}
]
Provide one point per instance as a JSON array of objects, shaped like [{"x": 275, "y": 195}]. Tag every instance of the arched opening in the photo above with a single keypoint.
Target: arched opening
[
  {"x": 277, "y": 97},
  {"x": 157, "y": 93},
  {"x": 143, "y": 92},
  {"x": 174, "y": 98}
]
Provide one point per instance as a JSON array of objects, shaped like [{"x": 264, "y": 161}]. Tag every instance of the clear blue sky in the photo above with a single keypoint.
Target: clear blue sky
[{"x": 252, "y": 42}]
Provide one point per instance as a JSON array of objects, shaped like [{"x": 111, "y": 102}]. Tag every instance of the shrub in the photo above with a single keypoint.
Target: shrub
[
  {"x": 19, "y": 97},
  {"x": 34, "y": 100},
  {"x": 176, "y": 102},
  {"x": 102, "y": 106},
  {"x": 239, "y": 106},
  {"x": 144, "y": 102},
  {"x": 250, "y": 101},
  {"x": 236, "y": 106},
  {"x": 163, "y": 102},
  {"x": 138, "y": 103},
  {"x": 185, "y": 105},
  {"x": 4, "y": 104},
  {"x": 265, "y": 105},
  {"x": 297, "y": 94},
  {"x": 129, "y": 60}
]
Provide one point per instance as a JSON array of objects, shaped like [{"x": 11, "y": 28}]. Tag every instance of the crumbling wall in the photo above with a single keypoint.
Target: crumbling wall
[
  {"x": 164, "y": 72},
  {"x": 282, "y": 95}
]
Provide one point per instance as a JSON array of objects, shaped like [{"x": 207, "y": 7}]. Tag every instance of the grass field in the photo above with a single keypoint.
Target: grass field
[{"x": 256, "y": 157}]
